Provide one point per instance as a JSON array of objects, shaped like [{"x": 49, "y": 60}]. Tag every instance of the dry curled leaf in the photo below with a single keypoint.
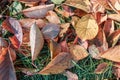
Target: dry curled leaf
[
  {"x": 86, "y": 28},
  {"x": 50, "y": 31},
  {"x": 36, "y": 41},
  {"x": 52, "y": 17},
  {"x": 78, "y": 52},
  {"x": 58, "y": 65},
  {"x": 112, "y": 54},
  {"x": 38, "y": 11},
  {"x": 101, "y": 68},
  {"x": 7, "y": 71}
]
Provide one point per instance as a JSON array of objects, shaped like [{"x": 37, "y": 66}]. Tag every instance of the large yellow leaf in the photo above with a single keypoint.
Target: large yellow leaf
[
  {"x": 86, "y": 27},
  {"x": 78, "y": 52},
  {"x": 36, "y": 41},
  {"x": 61, "y": 62},
  {"x": 112, "y": 54}
]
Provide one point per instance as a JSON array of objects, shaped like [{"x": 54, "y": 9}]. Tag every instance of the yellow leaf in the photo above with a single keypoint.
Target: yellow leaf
[{"x": 86, "y": 27}]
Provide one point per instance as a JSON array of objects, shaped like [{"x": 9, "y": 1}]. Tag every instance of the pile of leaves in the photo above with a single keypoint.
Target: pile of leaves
[{"x": 71, "y": 29}]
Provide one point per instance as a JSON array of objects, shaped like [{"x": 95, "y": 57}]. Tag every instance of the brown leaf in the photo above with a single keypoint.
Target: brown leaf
[
  {"x": 38, "y": 11},
  {"x": 55, "y": 49},
  {"x": 36, "y": 41},
  {"x": 52, "y": 17},
  {"x": 58, "y": 65},
  {"x": 7, "y": 71},
  {"x": 78, "y": 52},
  {"x": 70, "y": 75},
  {"x": 112, "y": 54},
  {"x": 86, "y": 27},
  {"x": 101, "y": 68},
  {"x": 30, "y": 2},
  {"x": 64, "y": 46},
  {"x": 50, "y": 31},
  {"x": 80, "y": 4},
  {"x": 13, "y": 26},
  {"x": 100, "y": 41},
  {"x": 108, "y": 27},
  {"x": 27, "y": 22},
  {"x": 3, "y": 42},
  {"x": 114, "y": 37}
]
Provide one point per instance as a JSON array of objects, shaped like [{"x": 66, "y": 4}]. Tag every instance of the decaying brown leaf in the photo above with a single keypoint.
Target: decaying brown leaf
[
  {"x": 55, "y": 49},
  {"x": 70, "y": 75},
  {"x": 58, "y": 65},
  {"x": 86, "y": 27},
  {"x": 101, "y": 68},
  {"x": 50, "y": 31},
  {"x": 7, "y": 71},
  {"x": 78, "y": 52},
  {"x": 36, "y": 41},
  {"x": 52, "y": 17},
  {"x": 112, "y": 54},
  {"x": 38, "y": 11}
]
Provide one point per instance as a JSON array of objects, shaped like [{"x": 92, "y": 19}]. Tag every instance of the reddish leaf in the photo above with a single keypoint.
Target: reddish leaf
[
  {"x": 38, "y": 11},
  {"x": 64, "y": 46},
  {"x": 12, "y": 53},
  {"x": 58, "y": 65},
  {"x": 7, "y": 71},
  {"x": 13, "y": 26},
  {"x": 101, "y": 68},
  {"x": 50, "y": 30}
]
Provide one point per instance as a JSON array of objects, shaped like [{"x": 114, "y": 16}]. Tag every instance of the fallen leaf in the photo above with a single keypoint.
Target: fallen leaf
[
  {"x": 114, "y": 37},
  {"x": 78, "y": 52},
  {"x": 112, "y": 54},
  {"x": 13, "y": 26},
  {"x": 3, "y": 42},
  {"x": 55, "y": 49},
  {"x": 58, "y": 65},
  {"x": 7, "y": 71},
  {"x": 93, "y": 51},
  {"x": 86, "y": 27},
  {"x": 38, "y": 11},
  {"x": 36, "y": 41},
  {"x": 70, "y": 75},
  {"x": 101, "y": 68},
  {"x": 115, "y": 17},
  {"x": 108, "y": 27},
  {"x": 57, "y": 1},
  {"x": 64, "y": 46},
  {"x": 50, "y": 31},
  {"x": 52, "y": 17},
  {"x": 80, "y": 4},
  {"x": 27, "y": 22}
]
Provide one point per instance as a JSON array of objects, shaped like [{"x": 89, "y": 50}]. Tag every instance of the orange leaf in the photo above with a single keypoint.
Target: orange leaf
[
  {"x": 78, "y": 52},
  {"x": 112, "y": 54},
  {"x": 58, "y": 65}
]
